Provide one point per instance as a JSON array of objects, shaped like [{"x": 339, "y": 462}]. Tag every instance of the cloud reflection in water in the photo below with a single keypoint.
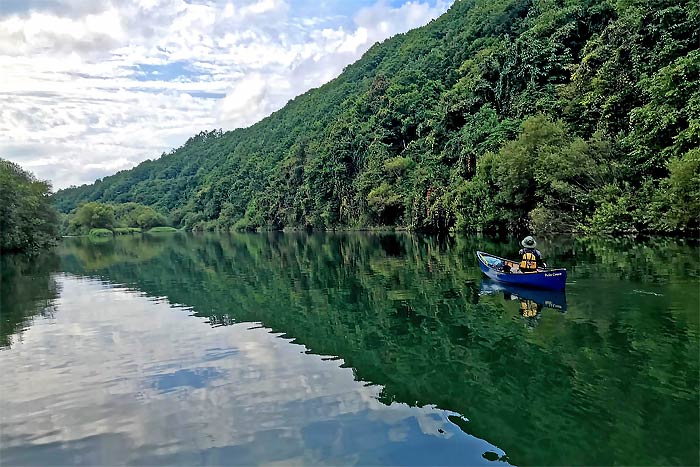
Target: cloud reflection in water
[{"x": 114, "y": 377}]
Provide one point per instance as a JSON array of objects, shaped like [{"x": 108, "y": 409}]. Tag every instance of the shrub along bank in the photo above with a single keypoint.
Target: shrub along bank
[{"x": 117, "y": 219}]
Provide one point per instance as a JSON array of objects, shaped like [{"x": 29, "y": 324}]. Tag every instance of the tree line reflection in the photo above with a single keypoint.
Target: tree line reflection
[{"x": 414, "y": 315}]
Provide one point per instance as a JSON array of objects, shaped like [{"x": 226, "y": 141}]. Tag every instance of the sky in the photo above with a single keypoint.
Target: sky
[{"x": 91, "y": 87}]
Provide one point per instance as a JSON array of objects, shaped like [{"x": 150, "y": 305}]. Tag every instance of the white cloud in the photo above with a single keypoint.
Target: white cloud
[
  {"x": 263, "y": 6},
  {"x": 89, "y": 88},
  {"x": 251, "y": 99}
]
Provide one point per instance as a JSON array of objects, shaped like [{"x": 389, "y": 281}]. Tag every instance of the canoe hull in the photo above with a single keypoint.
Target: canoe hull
[{"x": 550, "y": 279}]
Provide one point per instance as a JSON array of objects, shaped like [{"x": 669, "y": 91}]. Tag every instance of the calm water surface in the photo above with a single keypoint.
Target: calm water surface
[{"x": 347, "y": 349}]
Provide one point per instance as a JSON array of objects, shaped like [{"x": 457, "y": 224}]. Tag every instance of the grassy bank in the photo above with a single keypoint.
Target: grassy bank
[{"x": 127, "y": 230}]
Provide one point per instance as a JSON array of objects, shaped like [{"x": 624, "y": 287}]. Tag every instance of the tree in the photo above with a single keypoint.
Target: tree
[
  {"x": 137, "y": 215},
  {"x": 542, "y": 180},
  {"x": 95, "y": 215},
  {"x": 682, "y": 192},
  {"x": 28, "y": 221}
]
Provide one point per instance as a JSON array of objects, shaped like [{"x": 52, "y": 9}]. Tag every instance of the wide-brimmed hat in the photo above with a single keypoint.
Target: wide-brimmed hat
[{"x": 529, "y": 242}]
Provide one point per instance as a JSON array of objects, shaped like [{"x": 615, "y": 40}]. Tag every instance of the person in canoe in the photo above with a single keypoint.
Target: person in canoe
[{"x": 531, "y": 258}]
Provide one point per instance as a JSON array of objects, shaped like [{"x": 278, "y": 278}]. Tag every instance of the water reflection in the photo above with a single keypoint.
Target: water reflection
[
  {"x": 531, "y": 301},
  {"x": 413, "y": 316},
  {"x": 27, "y": 290},
  {"x": 118, "y": 378}
]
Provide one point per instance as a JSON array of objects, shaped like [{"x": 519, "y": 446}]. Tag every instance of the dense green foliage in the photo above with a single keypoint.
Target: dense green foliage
[
  {"x": 500, "y": 114},
  {"x": 405, "y": 312},
  {"x": 28, "y": 221},
  {"x": 125, "y": 218}
]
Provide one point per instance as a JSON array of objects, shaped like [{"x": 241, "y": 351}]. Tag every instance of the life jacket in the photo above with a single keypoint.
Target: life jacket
[{"x": 528, "y": 262}]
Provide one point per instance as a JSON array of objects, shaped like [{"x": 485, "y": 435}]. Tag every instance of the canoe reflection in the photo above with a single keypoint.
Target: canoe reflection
[{"x": 531, "y": 300}]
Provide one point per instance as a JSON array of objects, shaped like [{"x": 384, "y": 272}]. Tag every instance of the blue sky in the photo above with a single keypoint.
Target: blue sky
[{"x": 91, "y": 87}]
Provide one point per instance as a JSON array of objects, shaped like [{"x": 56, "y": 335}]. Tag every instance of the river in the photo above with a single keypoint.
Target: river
[{"x": 347, "y": 348}]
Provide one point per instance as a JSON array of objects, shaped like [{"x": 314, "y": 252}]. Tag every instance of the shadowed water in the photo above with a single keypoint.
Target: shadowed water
[{"x": 347, "y": 349}]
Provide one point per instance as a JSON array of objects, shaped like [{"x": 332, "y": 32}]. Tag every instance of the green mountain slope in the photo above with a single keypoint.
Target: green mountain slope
[{"x": 505, "y": 114}]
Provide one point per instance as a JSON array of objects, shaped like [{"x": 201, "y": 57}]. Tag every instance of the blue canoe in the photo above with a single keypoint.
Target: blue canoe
[{"x": 493, "y": 267}]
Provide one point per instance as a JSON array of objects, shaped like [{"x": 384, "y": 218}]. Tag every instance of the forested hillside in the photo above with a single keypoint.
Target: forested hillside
[{"x": 499, "y": 115}]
